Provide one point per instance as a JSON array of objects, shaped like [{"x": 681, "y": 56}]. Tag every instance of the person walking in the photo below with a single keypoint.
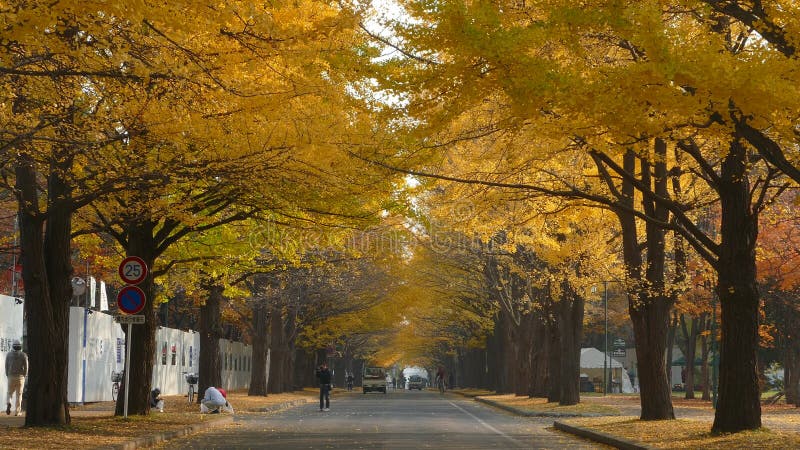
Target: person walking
[
  {"x": 350, "y": 379},
  {"x": 324, "y": 376},
  {"x": 16, "y": 371}
]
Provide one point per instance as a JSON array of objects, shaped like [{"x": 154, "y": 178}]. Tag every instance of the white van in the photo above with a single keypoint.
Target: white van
[{"x": 374, "y": 379}]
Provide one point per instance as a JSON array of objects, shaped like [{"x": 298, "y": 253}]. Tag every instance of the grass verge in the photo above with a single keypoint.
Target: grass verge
[{"x": 682, "y": 434}]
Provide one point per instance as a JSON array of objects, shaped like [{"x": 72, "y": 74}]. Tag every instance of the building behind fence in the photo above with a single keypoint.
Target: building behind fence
[{"x": 97, "y": 349}]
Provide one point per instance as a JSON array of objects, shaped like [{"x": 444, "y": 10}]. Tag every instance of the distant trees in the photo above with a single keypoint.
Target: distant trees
[{"x": 524, "y": 93}]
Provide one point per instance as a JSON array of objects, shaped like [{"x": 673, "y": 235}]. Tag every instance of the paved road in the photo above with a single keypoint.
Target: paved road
[{"x": 397, "y": 420}]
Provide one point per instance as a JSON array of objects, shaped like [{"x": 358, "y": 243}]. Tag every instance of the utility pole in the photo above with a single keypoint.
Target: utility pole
[{"x": 714, "y": 351}]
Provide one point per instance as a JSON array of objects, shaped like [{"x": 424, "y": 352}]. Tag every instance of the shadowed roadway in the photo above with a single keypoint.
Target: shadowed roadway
[{"x": 397, "y": 420}]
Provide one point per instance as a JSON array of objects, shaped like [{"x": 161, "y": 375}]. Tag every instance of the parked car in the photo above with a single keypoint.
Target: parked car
[
  {"x": 374, "y": 379},
  {"x": 416, "y": 382}
]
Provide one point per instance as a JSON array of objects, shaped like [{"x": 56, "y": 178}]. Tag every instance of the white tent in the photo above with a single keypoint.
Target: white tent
[{"x": 592, "y": 364}]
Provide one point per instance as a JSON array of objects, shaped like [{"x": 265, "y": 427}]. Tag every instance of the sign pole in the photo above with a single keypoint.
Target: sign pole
[{"x": 127, "y": 366}]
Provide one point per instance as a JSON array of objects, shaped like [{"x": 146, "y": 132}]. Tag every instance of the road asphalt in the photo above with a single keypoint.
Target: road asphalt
[{"x": 397, "y": 420}]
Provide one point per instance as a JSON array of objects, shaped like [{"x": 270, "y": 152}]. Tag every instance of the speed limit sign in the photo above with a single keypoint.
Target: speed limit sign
[{"x": 133, "y": 270}]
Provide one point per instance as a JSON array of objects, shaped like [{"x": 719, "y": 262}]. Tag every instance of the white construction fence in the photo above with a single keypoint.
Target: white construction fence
[{"x": 97, "y": 349}]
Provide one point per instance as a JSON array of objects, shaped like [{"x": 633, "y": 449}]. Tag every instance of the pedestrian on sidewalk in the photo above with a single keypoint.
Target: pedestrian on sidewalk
[
  {"x": 324, "y": 376},
  {"x": 16, "y": 371}
]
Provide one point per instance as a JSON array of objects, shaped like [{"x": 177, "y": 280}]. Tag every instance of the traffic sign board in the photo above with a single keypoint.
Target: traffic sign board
[
  {"x": 138, "y": 319},
  {"x": 130, "y": 300},
  {"x": 133, "y": 270}
]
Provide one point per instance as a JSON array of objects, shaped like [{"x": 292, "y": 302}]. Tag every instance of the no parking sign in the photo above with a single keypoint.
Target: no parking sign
[{"x": 130, "y": 300}]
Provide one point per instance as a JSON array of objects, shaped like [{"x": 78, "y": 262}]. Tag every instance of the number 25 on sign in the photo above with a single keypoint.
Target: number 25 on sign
[{"x": 133, "y": 270}]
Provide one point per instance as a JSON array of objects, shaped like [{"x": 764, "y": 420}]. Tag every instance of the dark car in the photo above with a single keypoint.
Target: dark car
[{"x": 416, "y": 382}]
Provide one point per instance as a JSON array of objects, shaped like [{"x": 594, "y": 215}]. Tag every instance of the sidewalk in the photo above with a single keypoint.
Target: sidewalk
[{"x": 95, "y": 426}]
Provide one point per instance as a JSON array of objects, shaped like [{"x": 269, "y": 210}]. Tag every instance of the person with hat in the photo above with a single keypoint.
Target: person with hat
[{"x": 16, "y": 371}]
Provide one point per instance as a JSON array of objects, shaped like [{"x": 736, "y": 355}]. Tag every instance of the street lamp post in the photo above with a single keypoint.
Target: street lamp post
[
  {"x": 14, "y": 259},
  {"x": 605, "y": 347}
]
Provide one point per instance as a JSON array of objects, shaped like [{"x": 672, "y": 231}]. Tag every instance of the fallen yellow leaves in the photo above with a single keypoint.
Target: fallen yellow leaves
[
  {"x": 94, "y": 425},
  {"x": 682, "y": 433},
  {"x": 540, "y": 405}
]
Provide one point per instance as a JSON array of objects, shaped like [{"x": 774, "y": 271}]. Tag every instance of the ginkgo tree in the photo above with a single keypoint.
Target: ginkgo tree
[
  {"x": 169, "y": 112},
  {"x": 621, "y": 83}
]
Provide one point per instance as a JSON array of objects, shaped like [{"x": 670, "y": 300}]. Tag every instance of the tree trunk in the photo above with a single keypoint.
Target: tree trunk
[
  {"x": 791, "y": 375},
  {"x": 673, "y": 330},
  {"x": 690, "y": 335},
  {"x": 650, "y": 343},
  {"x": 505, "y": 354},
  {"x": 492, "y": 361},
  {"x": 554, "y": 378},
  {"x": 143, "y": 348},
  {"x": 649, "y": 307},
  {"x": 210, "y": 367},
  {"x": 570, "y": 317},
  {"x": 278, "y": 352},
  {"x": 45, "y": 271},
  {"x": 289, "y": 339},
  {"x": 505, "y": 376},
  {"x": 704, "y": 354},
  {"x": 739, "y": 401},
  {"x": 304, "y": 364},
  {"x": 523, "y": 375},
  {"x": 539, "y": 358},
  {"x": 258, "y": 371}
]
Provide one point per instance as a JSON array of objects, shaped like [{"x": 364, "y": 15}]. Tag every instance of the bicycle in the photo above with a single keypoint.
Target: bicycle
[
  {"x": 440, "y": 385},
  {"x": 116, "y": 379},
  {"x": 191, "y": 378}
]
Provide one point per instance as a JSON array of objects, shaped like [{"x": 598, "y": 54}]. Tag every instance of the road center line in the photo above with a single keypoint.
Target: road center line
[{"x": 486, "y": 425}]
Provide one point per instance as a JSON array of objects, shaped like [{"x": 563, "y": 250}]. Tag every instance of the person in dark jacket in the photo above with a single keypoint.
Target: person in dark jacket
[
  {"x": 156, "y": 401},
  {"x": 324, "y": 375},
  {"x": 350, "y": 379}
]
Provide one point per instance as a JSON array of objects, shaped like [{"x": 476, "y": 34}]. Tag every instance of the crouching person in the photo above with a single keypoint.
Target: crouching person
[
  {"x": 215, "y": 401},
  {"x": 156, "y": 401}
]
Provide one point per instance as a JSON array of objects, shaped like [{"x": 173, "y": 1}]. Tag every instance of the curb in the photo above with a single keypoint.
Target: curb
[
  {"x": 599, "y": 437},
  {"x": 280, "y": 406},
  {"x": 463, "y": 394},
  {"x": 149, "y": 441},
  {"x": 520, "y": 412}
]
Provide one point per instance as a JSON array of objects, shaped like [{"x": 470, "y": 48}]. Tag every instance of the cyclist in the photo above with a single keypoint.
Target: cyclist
[{"x": 440, "y": 377}]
